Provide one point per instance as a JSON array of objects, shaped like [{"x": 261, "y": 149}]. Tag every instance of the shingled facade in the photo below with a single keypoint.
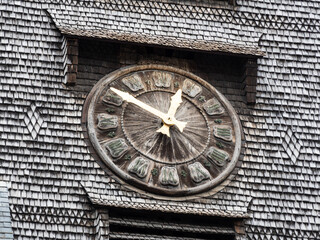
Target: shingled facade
[{"x": 262, "y": 55}]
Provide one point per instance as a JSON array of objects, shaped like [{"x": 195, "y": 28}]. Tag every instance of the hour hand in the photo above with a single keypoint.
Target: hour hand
[{"x": 175, "y": 103}]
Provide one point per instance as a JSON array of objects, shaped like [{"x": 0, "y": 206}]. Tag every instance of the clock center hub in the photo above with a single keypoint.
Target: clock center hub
[{"x": 168, "y": 121}]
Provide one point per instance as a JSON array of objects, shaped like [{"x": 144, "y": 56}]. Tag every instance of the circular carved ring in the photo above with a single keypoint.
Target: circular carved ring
[{"x": 163, "y": 130}]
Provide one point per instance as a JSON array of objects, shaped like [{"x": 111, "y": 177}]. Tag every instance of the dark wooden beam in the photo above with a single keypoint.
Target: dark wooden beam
[
  {"x": 239, "y": 227},
  {"x": 250, "y": 80},
  {"x": 71, "y": 67}
]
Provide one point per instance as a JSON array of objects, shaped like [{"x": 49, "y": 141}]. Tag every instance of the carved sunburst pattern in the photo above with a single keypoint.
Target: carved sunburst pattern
[
  {"x": 141, "y": 128},
  {"x": 125, "y": 111}
]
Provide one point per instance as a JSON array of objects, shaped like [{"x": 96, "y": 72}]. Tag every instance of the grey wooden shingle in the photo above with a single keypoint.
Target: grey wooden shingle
[{"x": 5, "y": 219}]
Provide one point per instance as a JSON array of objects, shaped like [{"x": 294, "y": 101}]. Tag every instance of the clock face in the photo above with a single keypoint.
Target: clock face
[{"x": 163, "y": 130}]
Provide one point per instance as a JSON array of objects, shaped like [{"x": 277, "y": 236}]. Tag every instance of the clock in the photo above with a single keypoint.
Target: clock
[{"x": 163, "y": 130}]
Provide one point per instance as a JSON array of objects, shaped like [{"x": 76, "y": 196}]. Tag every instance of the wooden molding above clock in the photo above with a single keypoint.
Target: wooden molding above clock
[{"x": 126, "y": 112}]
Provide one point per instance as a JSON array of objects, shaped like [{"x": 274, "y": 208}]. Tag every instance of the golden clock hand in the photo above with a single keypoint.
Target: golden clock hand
[
  {"x": 129, "y": 98},
  {"x": 175, "y": 103}
]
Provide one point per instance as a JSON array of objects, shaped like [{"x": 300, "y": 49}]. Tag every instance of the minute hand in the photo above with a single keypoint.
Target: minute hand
[{"x": 129, "y": 98}]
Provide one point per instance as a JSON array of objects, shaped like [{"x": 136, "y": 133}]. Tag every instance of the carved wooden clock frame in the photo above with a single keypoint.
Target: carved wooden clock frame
[{"x": 187, "y": 163}]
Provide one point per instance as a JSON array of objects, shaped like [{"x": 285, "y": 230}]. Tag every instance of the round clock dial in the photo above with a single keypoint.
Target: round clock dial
[{"x": 163, "y": 130}]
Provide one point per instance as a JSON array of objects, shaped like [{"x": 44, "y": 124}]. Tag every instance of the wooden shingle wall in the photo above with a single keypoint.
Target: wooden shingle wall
[
  {"x": 5, "y": 219},
  {"x": 44, "y": 155}
]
